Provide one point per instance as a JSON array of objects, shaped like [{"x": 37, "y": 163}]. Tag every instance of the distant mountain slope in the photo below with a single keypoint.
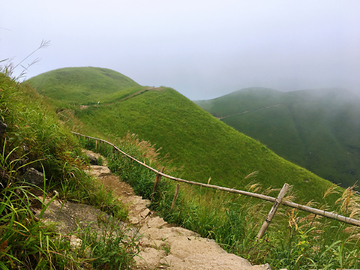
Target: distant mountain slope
[
  {"x": 205, "y": 146},
  {"x": 316, "y": 129},
  {"x": 80, "y": 85}
]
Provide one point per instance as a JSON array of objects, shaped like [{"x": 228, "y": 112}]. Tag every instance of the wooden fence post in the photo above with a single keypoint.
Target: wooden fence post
[
  {"x": 157, "y": 181},
  {"x": 305, "y": 208},
  {"x": 273, "y": 210},
  {"x": 175, "y": 196}
]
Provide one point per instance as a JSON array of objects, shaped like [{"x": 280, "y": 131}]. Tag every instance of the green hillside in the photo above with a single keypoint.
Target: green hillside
[
  {"x": 316, "y": 129},
  {"x": 81, "y": 85},
  {"x": 205, "y": 146}
]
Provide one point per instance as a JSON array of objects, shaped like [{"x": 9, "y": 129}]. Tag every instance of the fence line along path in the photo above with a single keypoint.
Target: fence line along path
[{"x": 305, "y": 208}]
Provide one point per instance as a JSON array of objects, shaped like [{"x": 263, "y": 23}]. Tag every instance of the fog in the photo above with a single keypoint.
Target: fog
[{"x": 203, "y": 49}]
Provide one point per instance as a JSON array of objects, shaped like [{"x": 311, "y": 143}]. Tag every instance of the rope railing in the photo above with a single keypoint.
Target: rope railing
[{"x": 277, "y": 201}]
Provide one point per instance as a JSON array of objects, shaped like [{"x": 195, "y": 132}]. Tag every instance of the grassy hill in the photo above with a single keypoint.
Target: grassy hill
[
  {"x": 81, "y": 85},
  {"x": 316, "y": 129},
  {"x": 205, "y": 146}
]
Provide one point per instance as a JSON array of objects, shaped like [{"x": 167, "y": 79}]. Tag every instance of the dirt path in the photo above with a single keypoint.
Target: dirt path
[
  {"x": 223, "y": 117},
  {"x": 144, "y": 90},
  {"x": 164, "y": 246}
]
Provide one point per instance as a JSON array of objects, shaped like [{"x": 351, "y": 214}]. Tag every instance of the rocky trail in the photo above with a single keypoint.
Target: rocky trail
[{"x": 162, "y": 245}]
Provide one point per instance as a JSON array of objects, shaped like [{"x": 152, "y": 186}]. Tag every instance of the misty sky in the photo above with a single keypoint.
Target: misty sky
[{"x": 203, "y": 49}]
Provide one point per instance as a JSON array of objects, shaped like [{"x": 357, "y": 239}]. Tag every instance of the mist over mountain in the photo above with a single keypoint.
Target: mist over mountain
[{"x": 317, "y": 128}]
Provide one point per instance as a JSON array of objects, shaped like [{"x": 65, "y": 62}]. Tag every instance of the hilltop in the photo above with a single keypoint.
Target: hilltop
[
  {"x": 203, "y": 145},
  {"x": 316, "y": 129},
  {"x": 81, "y": 85}
]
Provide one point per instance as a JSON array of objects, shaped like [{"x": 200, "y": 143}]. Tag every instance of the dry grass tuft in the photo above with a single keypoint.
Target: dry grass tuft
[
  {"x": 148, "y": 152},
  {"x": 293, "y": 220},
  {"x": 355, "y": 237},
  {"x": 253, "y": 174},
  {"x": 330, "y": 190},
  {"x": 253, "y": 187},
  {"x": 350, "y": 203},
  {"x": 351, "y": 229}
]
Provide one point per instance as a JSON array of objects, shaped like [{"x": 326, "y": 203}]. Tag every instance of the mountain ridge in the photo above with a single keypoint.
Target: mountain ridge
[{"x": 316, "y": 129}]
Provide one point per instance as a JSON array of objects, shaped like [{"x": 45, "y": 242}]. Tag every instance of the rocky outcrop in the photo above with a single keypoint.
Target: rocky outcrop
[
  {"x": 69, "y": 216},
  {"x": 34, "y": 177},
  {"x": 92, "y": 159}
]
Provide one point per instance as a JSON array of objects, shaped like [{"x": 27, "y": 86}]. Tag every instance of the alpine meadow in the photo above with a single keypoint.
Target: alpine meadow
[
  {"x": 164, "y": 129},
  {"x": 204, "y": 146}
]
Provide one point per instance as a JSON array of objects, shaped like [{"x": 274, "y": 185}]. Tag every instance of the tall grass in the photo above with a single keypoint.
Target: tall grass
[
  {"x": 294, "y": 240},
  {"x": 23, "y": 242},
  {"x": 35, "y": 138}
]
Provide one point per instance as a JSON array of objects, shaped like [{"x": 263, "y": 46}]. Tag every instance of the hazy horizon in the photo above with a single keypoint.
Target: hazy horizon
[{"x": 203, "y": 49}]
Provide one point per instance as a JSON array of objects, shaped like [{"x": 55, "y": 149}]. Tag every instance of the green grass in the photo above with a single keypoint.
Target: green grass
[
  {"x": 205, "y": 146},
  {"x": 34, "y": 138},
  {"x": 294, "y": 240},
  {"x": 316, "y": 129},
  {"x": 202, "y": 146},
  {"x": 80, "y": 85}
]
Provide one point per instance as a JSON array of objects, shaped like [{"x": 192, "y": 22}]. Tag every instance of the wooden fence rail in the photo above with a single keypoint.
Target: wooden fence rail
[{"x": 231, "y": 190}]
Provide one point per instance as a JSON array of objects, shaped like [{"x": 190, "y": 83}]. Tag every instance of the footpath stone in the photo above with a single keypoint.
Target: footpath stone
[{"x": 164, "y": 246}]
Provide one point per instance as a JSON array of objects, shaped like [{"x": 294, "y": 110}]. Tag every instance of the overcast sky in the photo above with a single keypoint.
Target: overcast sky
[{"x": 203, "y": 49}]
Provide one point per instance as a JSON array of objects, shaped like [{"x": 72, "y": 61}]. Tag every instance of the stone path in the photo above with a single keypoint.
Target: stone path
[{"x": 164, "y": 246}]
